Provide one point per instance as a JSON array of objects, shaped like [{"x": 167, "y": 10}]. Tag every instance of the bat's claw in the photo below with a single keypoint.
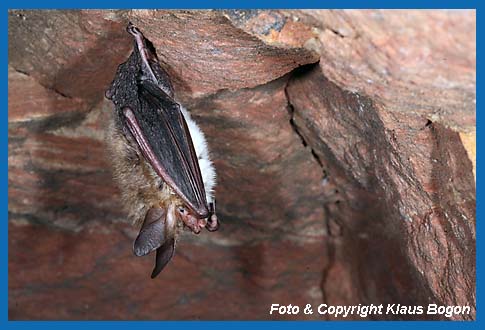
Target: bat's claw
[
  {"x": 202, "y": 223},
  {"x": 212, "y": 223},
  {"x": 132, "y": 29}
]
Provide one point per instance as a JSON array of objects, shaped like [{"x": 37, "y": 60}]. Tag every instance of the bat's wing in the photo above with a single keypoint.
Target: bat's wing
[{"x": 160, "y": 130}]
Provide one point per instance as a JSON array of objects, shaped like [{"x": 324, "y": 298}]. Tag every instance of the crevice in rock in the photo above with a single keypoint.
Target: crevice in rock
[
  {"x": 25, "y": 73},
  {"x": 291, "y": 110},
  {"x": 55, "y": 90},
  {"x": 336, "y": 32},
  {"x": 428, "y": 124},
  {"x": 330, "y": 245},
  {"x": 50, "y": 88},
  {"x": 54, "y": 121},
  {"x": 368, "y": 169}
]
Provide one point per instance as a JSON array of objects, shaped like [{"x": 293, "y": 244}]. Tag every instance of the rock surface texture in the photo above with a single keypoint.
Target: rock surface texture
[{"x": 344, "y": 143}]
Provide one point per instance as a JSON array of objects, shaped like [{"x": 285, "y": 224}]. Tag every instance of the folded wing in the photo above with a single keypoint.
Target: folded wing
[{"x": 160, "y": 130}]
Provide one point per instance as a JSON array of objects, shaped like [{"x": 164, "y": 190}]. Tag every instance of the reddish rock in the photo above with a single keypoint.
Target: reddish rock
[
  {"x": 345, "y": 182},
  {"x": 273, "y": 27},
  {"x": 416, "y": 62},
  {"x": 404, "y": 214},
  {"x": 73, "y": 52},
  {"x": 61, "y": 177},
  {"x": 28, "y": 101},
  {"x": 249, "y": 129},
  {"x": 201, "y": 64},
  {"x": 58, "y": 275}
]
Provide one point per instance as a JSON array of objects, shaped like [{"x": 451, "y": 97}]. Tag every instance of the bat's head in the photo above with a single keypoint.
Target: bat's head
[{"x": 160, "y": 229}]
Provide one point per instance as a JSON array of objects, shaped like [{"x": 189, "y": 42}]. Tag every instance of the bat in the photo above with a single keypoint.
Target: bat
[{"x": 160, "y": 156}]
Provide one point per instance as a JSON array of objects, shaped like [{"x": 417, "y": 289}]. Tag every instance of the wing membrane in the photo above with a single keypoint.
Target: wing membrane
[{"x": 163, "y": 136}]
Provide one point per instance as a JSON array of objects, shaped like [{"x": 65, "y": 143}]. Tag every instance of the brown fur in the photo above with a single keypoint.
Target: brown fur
[{"x": 141, "y": 188}]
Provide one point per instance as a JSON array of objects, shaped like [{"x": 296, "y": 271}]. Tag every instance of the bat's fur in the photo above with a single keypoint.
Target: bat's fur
[
  {"x": 141, "y": 188},
  {"x": 202, "y": 151}
]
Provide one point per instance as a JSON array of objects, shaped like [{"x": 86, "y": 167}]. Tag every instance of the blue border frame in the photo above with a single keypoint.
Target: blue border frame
[
  {"x": 184, "y": 4},
  {"x": 425, "y": 4}
]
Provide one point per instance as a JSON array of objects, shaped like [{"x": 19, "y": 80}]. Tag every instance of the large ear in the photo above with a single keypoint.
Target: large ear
[
  {"x": 152, "y": 233},
  {"x": 164, "y": 254}
]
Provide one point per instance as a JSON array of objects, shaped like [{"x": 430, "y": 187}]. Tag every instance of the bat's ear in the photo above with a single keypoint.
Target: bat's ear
[
  {"x": 152, "y": 232},
  {"x": 164, "y": 255}
]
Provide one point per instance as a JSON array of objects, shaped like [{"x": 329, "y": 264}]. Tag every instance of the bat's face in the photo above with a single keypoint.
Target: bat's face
[{"x": 172, "y": 189}]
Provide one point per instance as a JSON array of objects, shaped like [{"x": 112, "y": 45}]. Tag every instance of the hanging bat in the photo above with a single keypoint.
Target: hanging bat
[{"x": 160, "y": 157}]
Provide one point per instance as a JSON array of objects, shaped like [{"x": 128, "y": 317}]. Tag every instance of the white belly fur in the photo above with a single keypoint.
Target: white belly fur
[{"x": 201, "y": 149}]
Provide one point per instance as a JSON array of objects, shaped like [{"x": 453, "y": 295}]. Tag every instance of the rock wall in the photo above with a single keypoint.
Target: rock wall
[{"x": 344, "y": 143}]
